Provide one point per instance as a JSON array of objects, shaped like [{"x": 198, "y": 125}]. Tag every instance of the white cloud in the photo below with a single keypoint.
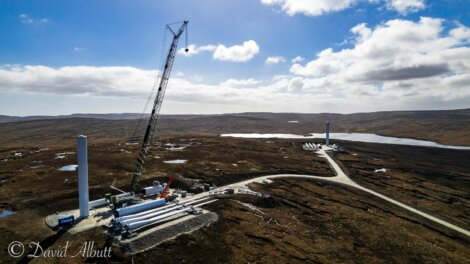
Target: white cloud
[
  {"x": 179, "y": 74},
  {"x": 362, "y": 32},
  {"x": 295, "y": 84},
  {"x": 280, "y": 94},
  {"x": 237, "y": 53},
  {"x": 193, "y": 49},
  {"x": 310, "y": 7},
  {"x": 397, "y": 65},
  {"x": 395, "y": 50},
  {"x": 406, "y": 6},
  {"x": 78, "y": 49},
  {"x": 129, "y": 82},
  {"x": 240, "y": 83},
  {"x": 76, "y": 80},
  {"x": 274, "y": 60},
  {"x": 461, "y": 33},
  {"x": 297, "y": 59},
  {"x": 27, "y": 19},
  {"x": 320, "y": 7}
]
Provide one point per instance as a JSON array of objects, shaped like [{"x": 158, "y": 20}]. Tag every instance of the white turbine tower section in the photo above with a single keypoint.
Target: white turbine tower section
[
  {"x": 137, "y": 208},
  {"x": 186, "y": 203},
  {"x": 153, "y": 214},
  {"x": 138, "y": 224},
  {"x": 327, "y": 133},
  {"x": 82, "y": 157}
]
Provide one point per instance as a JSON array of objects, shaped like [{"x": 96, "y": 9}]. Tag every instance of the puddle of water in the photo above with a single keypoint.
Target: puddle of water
[
  {"x": 177, "y": 161},
  {"x": 69, "y": 168},
  {"x": 175, "y": 147},
  {"x": 5, "y": 213}
]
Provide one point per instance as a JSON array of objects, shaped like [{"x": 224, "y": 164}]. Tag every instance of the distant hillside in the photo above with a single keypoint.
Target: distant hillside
[
  {"x": 448, "y": 127},
  {"x": 123, "y": 116}
]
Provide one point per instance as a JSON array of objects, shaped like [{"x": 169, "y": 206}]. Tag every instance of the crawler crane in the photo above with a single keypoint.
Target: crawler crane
[{"x": 133, "y": 196}]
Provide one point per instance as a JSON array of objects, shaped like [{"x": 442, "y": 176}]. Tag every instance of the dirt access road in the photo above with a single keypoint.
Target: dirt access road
[{"x": 341, "y": 178}]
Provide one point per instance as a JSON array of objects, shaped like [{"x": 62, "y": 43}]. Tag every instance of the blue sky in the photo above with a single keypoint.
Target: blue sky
[{"x": 62, "y": 57}]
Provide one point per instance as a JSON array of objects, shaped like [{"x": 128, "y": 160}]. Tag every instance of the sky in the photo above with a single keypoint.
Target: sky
[{"x": 308, "y": 56}]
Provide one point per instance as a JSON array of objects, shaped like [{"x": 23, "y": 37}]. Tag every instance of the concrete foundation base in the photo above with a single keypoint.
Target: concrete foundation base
[{"x": 98, "y": 217}]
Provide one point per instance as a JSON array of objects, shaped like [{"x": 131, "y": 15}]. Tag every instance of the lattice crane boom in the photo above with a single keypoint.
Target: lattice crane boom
[{"x": 157, "y": 104}]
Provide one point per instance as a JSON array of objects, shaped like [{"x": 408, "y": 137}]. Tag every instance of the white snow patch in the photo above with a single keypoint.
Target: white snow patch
[
  {"x": 380, "y": 170},
  {"x": 65, "y": 153},
  {"x": 69, "y": 168},
  {"x": 41, "y": 149},
  {"x": 60, "y": 157},
  {"x": 177, "y": 161},
  {"x": 293, "y": 121},
  {"x": 18, "y": 154}
]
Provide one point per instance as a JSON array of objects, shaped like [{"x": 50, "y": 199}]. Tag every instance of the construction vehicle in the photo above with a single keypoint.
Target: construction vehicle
[
  {"x": 133, "y": 196},
  {"x": 164, "y": 193}
]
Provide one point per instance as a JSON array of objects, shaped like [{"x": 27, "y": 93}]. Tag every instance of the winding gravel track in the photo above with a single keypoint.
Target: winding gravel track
[{"x": 341, "y": 178}]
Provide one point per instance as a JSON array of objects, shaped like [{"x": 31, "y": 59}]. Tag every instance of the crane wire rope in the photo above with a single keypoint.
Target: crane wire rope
[{"x": 137, "y": 128}]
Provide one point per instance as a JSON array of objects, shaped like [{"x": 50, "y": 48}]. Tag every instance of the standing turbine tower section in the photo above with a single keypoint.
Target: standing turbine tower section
[{"x": 157, "y": 104}]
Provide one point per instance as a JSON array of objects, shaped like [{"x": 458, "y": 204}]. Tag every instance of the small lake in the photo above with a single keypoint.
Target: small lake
[
  {"x": 361, "y": 137},
  {"x": 256, "y": 135}
]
